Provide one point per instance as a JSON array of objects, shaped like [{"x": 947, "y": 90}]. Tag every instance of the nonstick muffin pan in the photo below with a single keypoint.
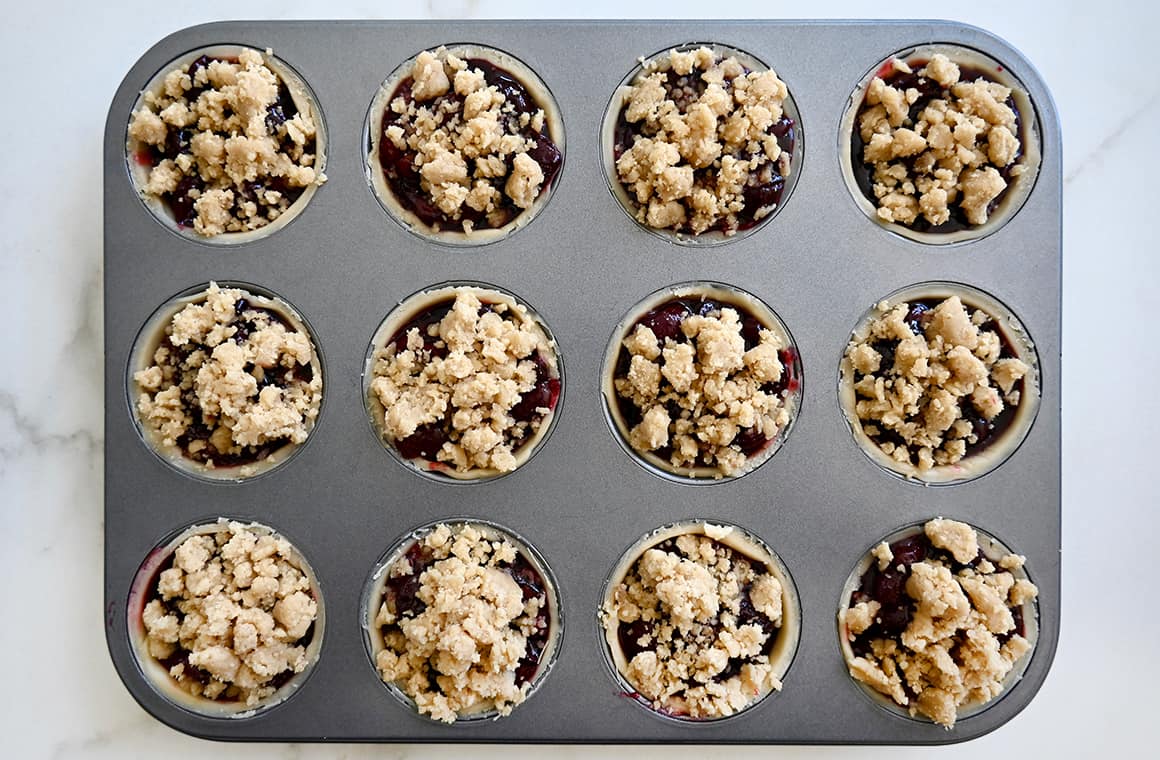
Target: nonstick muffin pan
[{"x": 582, "y": 263}]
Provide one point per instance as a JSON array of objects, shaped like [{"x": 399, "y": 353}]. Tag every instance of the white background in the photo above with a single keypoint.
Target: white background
[{"x": 60, "y": 64}]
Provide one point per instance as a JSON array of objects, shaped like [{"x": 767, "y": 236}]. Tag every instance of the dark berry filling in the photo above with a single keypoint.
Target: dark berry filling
[
  {"x": 638, "y": 636},
  {"x": 181, "y": 656},
  {"x": 986, "y": 431},
  {"x": 930, "y": 90},
  {"x": 665, "y": 322},
  {"x": 181, "y": 201},
  {"x": 196, "y": 443},
  {"x": 403, "y": 176},
  {"x": 888, "y": 588},
  {"x": 763, "y": 190},
  {"x": 427, "y": 440},
  {"x": 401, "y": 596}
]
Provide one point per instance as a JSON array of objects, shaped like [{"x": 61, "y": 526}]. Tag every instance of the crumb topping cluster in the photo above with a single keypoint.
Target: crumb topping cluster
[
  {"x": 703, "y": 152},
  {"x": 923, "y": 376},
  {"x": 965, "y": 630},
  {"x": 700, "y": 393},
  {"x": 956, "y": 151},
  {"x": 231, "y": 617},
  {"x": 477, "y": 151},
  {"x": 230, "y": 382},
  {"x": 697, "y": 620},
  {"x": 230, "y": 151},
  {"x": 455, "y": 638},
  {"x": 471, "y": 385}
]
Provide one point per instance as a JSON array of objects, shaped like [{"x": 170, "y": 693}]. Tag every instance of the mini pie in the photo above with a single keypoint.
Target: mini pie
[
  {"x": 228, "y": 618},
  {"x": 701, "y": 140},
  {"x": 228, "y": 382},
  {"x": 701, "y": 621},
  {"x": 227, "y": 143},
  {"x": 464, "y": 621},
  {"x": 463, "y": 381},
  {"x": 939, "y": 383},
  {"x": 466, "y": 144},
  {"x": 938, "y": 621},
  {"x": 942, "y": 142},
  {"x": 702, "y": 381}
]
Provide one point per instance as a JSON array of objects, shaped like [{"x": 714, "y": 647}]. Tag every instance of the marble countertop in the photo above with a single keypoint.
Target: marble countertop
[{"x": 64, "y": 60}]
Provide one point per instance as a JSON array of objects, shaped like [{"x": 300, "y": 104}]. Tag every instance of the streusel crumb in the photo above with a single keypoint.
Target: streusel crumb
[
  {"x": 228, "y": 147},
  {"x": 696, "y": 621},
  {"x": 232, "y": 614},
  {"x": 707, "y": 144},
  {"x": 232, "y": 381},
  {"x": 938, "y": 146},
  {"x": 465, "y": 620},
  {"x": 943, "y": 627},
  {"x": 933, "y": 381},
  {"x": 469, "y": 389}
]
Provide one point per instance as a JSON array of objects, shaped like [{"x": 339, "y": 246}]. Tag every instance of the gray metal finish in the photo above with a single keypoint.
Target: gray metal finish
[{"x": 819, "y": 502}]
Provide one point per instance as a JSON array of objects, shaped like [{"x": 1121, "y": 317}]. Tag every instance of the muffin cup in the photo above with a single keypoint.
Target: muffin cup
[
  {"x": 143, "y": 589},
  {"x": 995, "y": 453},
  {"x": 375, "y": 589},
  {"x": 414, "y": 306},
  {"x": 304, "y": 99},
  {"x": 553, "y": 125},
  {"x": 739, "y": 540},
  {"x": 608, "y": 141},
  {"x": 1029, "y": 134},
  {"x": 993, "y": 549},
  {"x": 746, "y": 303},
  {"x": 146, "y": 343}
]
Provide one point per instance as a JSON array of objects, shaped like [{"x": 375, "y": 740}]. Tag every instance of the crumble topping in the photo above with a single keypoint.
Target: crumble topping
[
  {"x": 959, "y": 151},
  {"x": 470, "y": 389},
  {"x": 696, "y": 621},
  {"x": 961, "y": 627},
  {"x": 702, "y": 150},
  {"x": 930, "y": 383},
  {"x": 232, "y": 615},
  {"x": 464, "y": 621},
  {"x": 230, "y": 150},
  {"x": 232, "y": 381},
  {"x": 464, "y": 145},
  {"x": 702, "y": 398}
]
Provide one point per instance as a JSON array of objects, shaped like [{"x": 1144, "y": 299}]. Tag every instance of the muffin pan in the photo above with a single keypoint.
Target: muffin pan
[{"x": 345, "y": 263}]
